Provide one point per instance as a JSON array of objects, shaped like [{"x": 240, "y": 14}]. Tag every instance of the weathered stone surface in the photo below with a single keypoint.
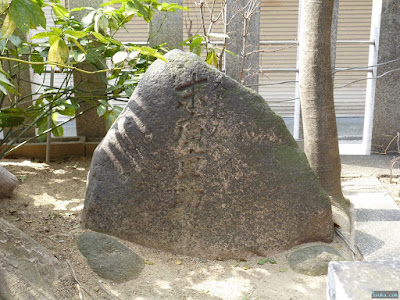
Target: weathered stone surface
[
  {"x": 353, "y": 280},
  {"x": 313, "y": 260},
  {"x": 386, "y": 114},
  {"x": 27, "y": 270},
  {"x": 199, "y": 165},
  {"x": 8, "y": 182},
  {"x": 109, "y": 258}
]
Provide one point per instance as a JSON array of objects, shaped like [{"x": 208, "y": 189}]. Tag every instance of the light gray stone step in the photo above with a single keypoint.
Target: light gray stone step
[
  {"x": 376, "y": 219},
  {"x": 360, "y": 280}
]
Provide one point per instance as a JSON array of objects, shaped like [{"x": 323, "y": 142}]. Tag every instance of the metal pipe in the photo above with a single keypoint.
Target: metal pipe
[{"x": 49, "y": 121}]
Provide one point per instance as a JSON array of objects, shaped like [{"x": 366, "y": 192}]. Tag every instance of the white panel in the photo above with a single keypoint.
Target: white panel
[{"x": 279, "y": 23}]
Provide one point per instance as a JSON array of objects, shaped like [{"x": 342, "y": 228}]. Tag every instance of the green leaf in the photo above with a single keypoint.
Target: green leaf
[
  {"x": 11, "y": 117},
  {"x": 60, "y": 11},
  {"x": 59, "y": 52},
  {"x": 15, "y": 40},
  {"x": 56, "y": 30},
  {"x": 79, "y": 57},
  {"x": 77, "y": 44},
  {"x": 58, "y": 131},
  {"x": 262, "y": 261},
  {"x": 27, "y": 14},
  {"x": 100, "y": 37},
  {"x": 68, "y": 111},
  {"x": 218, "y": 35},
  {"x": 230, "y": 52},
  {"x": 4, "y": 77},
  {"x": 54, "y": 38},
  {"x": 149, "y": 51},
  {"x": 283, "y": 270},
  {"x": 129, "y": 10},
  {"x": 101, "y": 23},
  {"x": 35, "y": 57},
  {"x": 196, "y": 42},
  {"x": 117, "y": 110},
  {"x": 165, "y": 6},
  {"x": 148, "y": 262},
  {"x": 272, "y": 260},
  {"x": 105, "y": 103},
  {"x": 119, "y": 57},
  {"x": 8, "y": 27},
  {"x": 142, "y": 11},
  {"x": 111, "y": 3},
  {"x": 212, "y": 58},
  {"x": 75, "y": 33},
  {"x": 88, "y": 19},
  {"x": 101, "y": 110},
  {"x": 3, "y": 6},
  {"x": 81, "y": 8},
  {"x": 42, "y": 35}
]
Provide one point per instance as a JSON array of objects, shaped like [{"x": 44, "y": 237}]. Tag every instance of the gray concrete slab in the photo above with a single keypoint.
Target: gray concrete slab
[
  {"x": 376, "y": 218},
  {"x": 357, "y": 280},
  {"x": 368, "y": 165}
]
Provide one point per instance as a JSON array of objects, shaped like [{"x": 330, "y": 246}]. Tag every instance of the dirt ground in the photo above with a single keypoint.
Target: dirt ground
[{"x": 47, "y": 205}]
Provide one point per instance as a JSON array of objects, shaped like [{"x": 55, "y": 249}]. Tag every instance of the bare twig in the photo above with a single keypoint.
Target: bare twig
[
  {"x": 77, "y": 281},
  {"x": 53, "y": 64},
  {"x": 203, "y": 23},
  {"x": 351, "y": 246},
  {"x": 79, "y": 291},
  {"x": 396, "y": 159},
  {"x": 249, "y": 10},
  {"x": 112, "y": 296},
  {"x": 48, "y": 237}
]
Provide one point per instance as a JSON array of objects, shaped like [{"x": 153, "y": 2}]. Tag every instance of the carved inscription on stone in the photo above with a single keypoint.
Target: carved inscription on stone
[{"x": 190, "y": 147}]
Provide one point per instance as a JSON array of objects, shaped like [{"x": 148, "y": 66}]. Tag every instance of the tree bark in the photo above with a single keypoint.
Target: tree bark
[
  {"x": 8, "y": 182},
  {"x": 316, "y": 96}
]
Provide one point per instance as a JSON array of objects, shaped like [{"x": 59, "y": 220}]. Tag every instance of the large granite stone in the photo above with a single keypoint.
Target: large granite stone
[
  {"x": 199, "y": 165},
  {"x": 27, "y": 270}
]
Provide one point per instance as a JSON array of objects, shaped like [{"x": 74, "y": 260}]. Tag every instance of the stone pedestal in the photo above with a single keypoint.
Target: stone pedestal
[
  {"x": 387, "y": 109},
  {"x": 92, "y": 87},
  {"x": 236, "y": 11},
  {"x": 167, "y": 27}
]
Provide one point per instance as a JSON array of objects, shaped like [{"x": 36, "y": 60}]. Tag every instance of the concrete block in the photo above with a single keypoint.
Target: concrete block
[
  {"x": 360, "y": 280},
  {"x": 376, "y": 219}
]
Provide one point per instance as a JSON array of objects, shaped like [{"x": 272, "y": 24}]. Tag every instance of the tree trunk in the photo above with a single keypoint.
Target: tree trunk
[
  {"x": 316, "y": 96},
  {"x": 8, "y": 182}
]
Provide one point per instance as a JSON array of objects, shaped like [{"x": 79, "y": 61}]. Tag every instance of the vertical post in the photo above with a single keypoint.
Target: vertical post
[
  {"x": 386, "y": 113},
  {"x": 167, "y": 27},
  {"x": 245, "y": 46},
  {"x": 92, "y": 88},
  {"x": 371, "y": 81},
  {"x": 297, "y": 111},
  {"x": 49, "y": 121}
]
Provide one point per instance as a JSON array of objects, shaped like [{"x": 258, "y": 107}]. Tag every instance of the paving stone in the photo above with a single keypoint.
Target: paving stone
[
  {"x": 360, "y": 280},
  {"x": 376, "y": 219}
]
